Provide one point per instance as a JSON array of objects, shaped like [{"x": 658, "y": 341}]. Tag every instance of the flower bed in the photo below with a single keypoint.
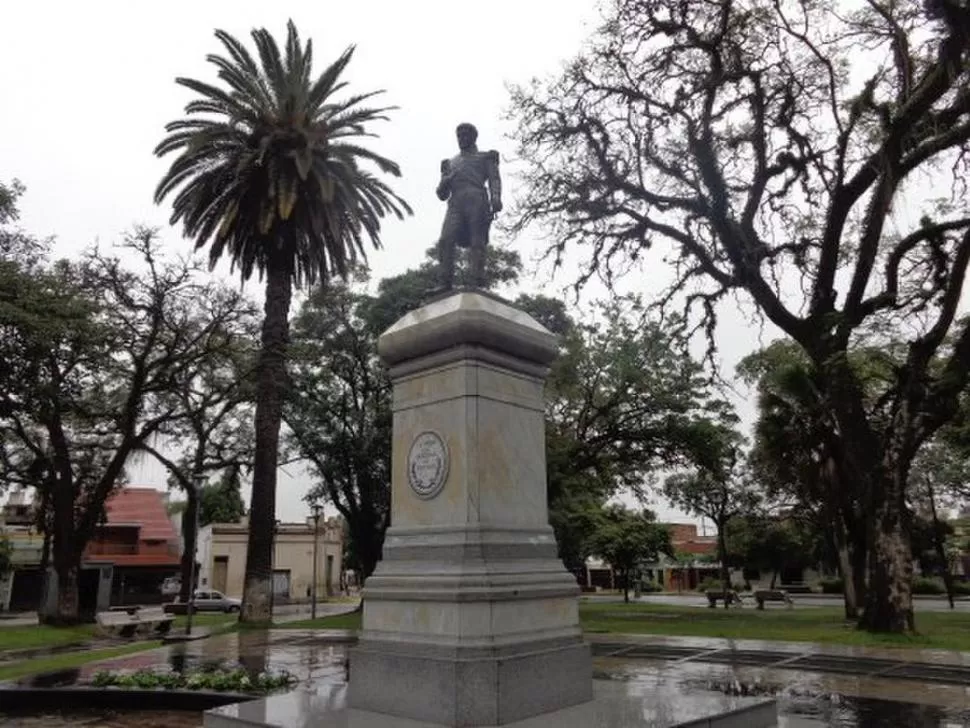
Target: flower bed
[{"x": 216, "y": 680}]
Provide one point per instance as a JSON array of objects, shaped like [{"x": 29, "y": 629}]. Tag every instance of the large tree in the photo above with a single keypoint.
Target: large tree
[
  {"x": 770, "y": 146},
  {"x": 213, "y": 432},
  {"x": 625, "y": 539},
  {"x": 103, "y": 344},
  {"x": 796, "y": 455},
  {"x": 718, "y": 487},
  {"x": 271, "y": 173}
]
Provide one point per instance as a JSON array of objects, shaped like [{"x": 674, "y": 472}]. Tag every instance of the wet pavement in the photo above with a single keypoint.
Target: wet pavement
[{"x": 807, "y": 699}]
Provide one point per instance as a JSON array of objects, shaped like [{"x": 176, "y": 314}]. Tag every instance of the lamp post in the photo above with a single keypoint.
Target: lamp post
[
  {"x": 315, "y": 509},
  {"x": 197, "y": 482}
]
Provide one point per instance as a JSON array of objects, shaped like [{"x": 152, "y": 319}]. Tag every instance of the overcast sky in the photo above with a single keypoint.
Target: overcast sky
[{"x": 88, "y": 87}]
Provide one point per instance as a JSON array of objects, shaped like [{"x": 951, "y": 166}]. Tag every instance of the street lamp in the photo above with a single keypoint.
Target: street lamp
[
  {"x": 198, "y": 480},
  {"x": 315, "y": 509}
]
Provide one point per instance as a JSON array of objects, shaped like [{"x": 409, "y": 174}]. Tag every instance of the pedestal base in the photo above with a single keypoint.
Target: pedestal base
[
  {"x": 615, "y": 705},
  {"x": 465, "y": 689}
]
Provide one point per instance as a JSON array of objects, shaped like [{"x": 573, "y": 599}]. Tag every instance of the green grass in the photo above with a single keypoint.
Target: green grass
[
  {"x": 350, "y": 620},
  {"x": 71, "y": 659},
  {"x": 25, "y": 638},
  {"x": 938, "y": 630},
  {"x": 205, "y": 620}
]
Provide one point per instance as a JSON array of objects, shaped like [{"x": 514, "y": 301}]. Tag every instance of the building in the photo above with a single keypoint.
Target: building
[
  {"x": 222, "y": 558},
  {"x": 139, "y": 540},
  {"x": 693, "y": 560},
  {"x": 20, "y": 588},
  {"x": 133, "y": 550}
]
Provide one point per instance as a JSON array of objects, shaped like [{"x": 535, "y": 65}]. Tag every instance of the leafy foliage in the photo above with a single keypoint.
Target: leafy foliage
[
  {"x": 272, "y": 173},
  {"x": 102, "y": 344},
  {"x": 269, "y": 164},
  {"x": 625, "y": 538},
  {"x": 737, "y": 137},
  {"x": 219, "y": 680}
]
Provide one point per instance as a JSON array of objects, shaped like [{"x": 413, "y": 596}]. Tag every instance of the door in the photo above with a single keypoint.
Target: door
[
  {"x": 281, "y": 585},
  {"x": 220, "y": 573}
]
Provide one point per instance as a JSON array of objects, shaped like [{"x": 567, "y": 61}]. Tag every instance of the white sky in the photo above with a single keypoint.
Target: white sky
[{"x": 88, "y": 87}]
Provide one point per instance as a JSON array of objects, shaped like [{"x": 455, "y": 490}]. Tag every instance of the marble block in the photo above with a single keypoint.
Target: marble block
[
  {"x": 470, "y": 619},
  {"x": 616, "y": 704}
]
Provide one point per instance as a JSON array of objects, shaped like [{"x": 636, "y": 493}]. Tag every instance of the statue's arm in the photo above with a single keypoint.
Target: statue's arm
[
  {"x": 444, "y": 186},
  {"x": 494, "y": 180}
]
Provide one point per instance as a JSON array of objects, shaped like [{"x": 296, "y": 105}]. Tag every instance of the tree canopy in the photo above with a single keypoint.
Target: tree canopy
[{"x": 764, "y": 147}]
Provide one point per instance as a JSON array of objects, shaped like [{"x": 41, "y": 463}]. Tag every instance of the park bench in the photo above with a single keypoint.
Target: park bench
[
  {"x": 126, "y": 621},
  {"x": 716, "y": 595},
  {"x": 773, "y": 595}
]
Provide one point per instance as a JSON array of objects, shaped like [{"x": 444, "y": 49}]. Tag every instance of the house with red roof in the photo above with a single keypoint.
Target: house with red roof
[{"x": 138, "y": 538}]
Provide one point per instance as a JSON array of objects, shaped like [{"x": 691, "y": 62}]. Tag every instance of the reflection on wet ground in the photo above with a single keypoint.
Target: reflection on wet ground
[
  {"x": 138, "y": 719},
  {"x": 806, "y": 699}
]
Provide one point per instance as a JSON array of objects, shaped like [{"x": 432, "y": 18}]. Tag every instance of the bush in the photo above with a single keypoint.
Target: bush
[
  {"x": 961, "y": 588},
  {"x": 231, "y": 681},
  {"x": 928, "y": 585},
  {"x": 709, "y": 584},
  {"x": 832, "y": 586},
  {"x": 649, "y": 587}
]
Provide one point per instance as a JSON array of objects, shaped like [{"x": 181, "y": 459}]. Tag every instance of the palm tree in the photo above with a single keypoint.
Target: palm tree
[{"x": 270, "y": 172}]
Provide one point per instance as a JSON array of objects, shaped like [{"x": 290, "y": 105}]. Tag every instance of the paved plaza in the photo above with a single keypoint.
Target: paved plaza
[{"x": 806, "y": 698}]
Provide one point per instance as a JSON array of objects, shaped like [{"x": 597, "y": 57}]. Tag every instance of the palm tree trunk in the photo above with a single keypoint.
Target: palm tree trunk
[{"x": 270, "y": 390}]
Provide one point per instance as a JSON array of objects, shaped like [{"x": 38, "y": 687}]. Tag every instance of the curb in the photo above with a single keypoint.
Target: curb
[{"x": 82, "y": 698}]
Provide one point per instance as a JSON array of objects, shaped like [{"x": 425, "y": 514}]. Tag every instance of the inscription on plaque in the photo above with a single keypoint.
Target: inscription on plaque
[{"x": 427, "y": 464}]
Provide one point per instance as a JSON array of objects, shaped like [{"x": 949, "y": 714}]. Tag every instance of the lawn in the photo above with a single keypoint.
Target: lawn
[
  {"x": 940, "y": 630},
  {"x": 71, "y": 659},
  {"x": 25, "y": 638},
  {"x": 350, "y": 620}
]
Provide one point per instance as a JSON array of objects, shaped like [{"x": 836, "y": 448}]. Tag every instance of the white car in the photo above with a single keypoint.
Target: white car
[{"x": 206, "y": 600}]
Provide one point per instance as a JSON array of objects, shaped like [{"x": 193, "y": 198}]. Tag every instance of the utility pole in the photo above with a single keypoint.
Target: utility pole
[
  {"x": 315, "y": 509},
  {"x": 197, "y": 482}
]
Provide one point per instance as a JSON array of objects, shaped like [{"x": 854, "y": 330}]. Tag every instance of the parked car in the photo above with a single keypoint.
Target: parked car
[
  {"x": 171, "y": 586},
  {"x": 205, "y": 600}
]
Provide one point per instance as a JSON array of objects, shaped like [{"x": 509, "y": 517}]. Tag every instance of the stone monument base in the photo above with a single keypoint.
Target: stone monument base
[
  {"x": 616, "y": 704},
  {"x": 470, "y": 686}
]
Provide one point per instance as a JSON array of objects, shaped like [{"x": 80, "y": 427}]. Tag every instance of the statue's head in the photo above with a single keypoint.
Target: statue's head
[{"x": 467, "y": 136}]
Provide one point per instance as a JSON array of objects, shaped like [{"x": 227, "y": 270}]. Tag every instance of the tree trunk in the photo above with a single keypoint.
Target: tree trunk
[
  {"x": 626, "y": 586},
  {"x": 846, "y": 570},
  {"x": 722, "y": 555},
  {"x": 939, "y": 545},
  {"x": 66, "y": 552},
  {"x": 774, "y": 578},
  {"x": 270, "y": 390},
  {"x": 889, "y": 599},
  {"x": 189, "y": 537}
]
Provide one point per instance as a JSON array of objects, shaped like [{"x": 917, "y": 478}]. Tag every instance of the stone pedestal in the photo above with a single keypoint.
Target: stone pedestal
[{"x": 470, "y": 619}]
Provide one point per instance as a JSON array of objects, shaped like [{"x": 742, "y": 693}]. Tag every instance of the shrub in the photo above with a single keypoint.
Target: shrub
[
  {"x": 832, "y": 586},
  {"x": 709, "y": 584},
  {"x": 928, "y": 585},
  {"x": 648, "y": 587},
  {"x": 961, "y": 588},
  {"x": 218, "y": 680}
]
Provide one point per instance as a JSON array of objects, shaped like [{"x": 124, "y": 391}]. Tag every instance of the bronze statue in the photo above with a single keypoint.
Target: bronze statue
[{"x": 470, "y": 207}]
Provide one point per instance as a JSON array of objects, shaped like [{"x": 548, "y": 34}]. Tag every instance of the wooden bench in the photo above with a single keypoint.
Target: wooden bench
[
  {"x": 773, "y": 595},
  {"x": 715, "y": 596},
  {"x": 126, "y": 621}
]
